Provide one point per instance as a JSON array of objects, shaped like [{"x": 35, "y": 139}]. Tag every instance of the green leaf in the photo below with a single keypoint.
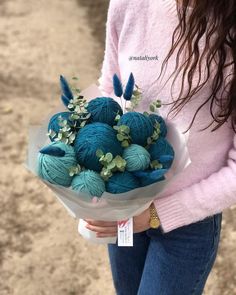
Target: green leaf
[
  {"x": 70, "y": 106},
  {"x": 109, "y": 157},
  {"x": 72, "y": 137},
  {"x": 116, "y": 127},
  {"x": 111, "y": 165},
  {"x": 152, "y": 108},
  {"x": 149, "y": 140},
  {"x": 158, "y": 103},
  {"x": 124, "y": 128},
  {"x": 120, "y": 137},
  {"x": 117, "y": 118},
  {"x": 99, "y": 153},
  {"x": 82, "y": 124},
  {"x": 52, "y": 133},
  {"x": 125, "y": 143}
]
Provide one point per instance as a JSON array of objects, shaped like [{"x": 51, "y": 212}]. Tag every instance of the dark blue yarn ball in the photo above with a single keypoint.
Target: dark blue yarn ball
[
  {"x": 92, "y": 137},
  {"x": 54, "y": 122},
  {"x": 147, "y": 181},
  {"x": 160, "y": 150},
  {"x": 141, "y": 127},
  {"x": 122, "y": 182},
  {"x": 104, "y": 110},
  {"x": 162, "y": 123}
]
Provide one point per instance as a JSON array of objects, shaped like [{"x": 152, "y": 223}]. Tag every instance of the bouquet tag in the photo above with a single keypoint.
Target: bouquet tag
[{"x": 125, "y": 232}]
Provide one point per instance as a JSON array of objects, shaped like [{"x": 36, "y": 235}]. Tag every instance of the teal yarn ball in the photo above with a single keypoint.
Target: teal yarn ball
[
  {"x": 89, "y": 182},
  {"x": 136, "y": 157},
  {"x": 141, "y": 127},
  {"x": 161, "y": 150},
  {"x": 155, "y": 118},
  {"x": 122, "y": 182},
  {"x": 104, "y": 110},
  {"x": 55, "y": 169},
  {"x": 93, "y": 137}
]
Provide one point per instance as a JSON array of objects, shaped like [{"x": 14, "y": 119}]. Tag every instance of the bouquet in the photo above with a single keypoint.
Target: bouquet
[{"x": 103, "y": 159}]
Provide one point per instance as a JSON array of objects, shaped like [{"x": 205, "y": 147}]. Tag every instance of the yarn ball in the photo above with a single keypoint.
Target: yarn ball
[
  {"x": 56, "y": 169},
  {"x": 163, "y": 152},
  {"x": 141, "y": 127},
  {"x": 136, "y": 157},
  {"x": 89, "y": 182},
  {"x": 147, "y": 181},
  {"x": 54, "y": 122},
  {"x": 93, "y": 137},
  {"x": 104, "y": 110},
  {"x": 122, "y": 182},
  {"x": 155, "y": 118}
]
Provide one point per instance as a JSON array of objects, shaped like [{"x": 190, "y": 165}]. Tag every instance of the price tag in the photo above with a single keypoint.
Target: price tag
[{"x": 125, "y": 233}]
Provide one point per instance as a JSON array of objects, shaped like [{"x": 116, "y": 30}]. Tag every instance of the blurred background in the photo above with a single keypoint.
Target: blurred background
[{"x": 41, "y": 252}]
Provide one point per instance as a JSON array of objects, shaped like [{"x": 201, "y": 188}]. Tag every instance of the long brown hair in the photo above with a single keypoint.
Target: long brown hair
[{"x": 212, "y": 18}]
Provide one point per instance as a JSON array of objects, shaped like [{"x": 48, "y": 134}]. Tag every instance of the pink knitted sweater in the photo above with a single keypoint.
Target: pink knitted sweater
[{"x": 138, "y": 36}]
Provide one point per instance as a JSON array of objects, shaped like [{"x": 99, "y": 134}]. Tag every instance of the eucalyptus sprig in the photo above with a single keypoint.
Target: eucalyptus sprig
[
  {"x": 110, "y": 164},
  {"x": 156, "y": 165},
  {"x": 78, "y": 105},
  {"x": 67, "y": 131},
  {"x": 156, "y": 133},
  {"x": 75, "y": 170},
  {"x": 154, "y": 106},
  {"x": 123, "y": 135},
  {"x": 135, "y": 99}
]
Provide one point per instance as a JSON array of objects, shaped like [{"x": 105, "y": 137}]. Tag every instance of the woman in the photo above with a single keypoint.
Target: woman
[{"x": 195, "y": 42}]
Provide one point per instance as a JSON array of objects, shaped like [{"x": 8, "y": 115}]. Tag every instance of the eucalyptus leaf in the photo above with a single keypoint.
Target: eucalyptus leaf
[
  {"x": 70, "y": 106},
  {"x": 120, "y": 137},
  {"x": 152, "y": 108},
  {"x": 111, "y": 165},
  {"x": 125, "y": 143},
  {"x": 99, "y": 153},
  {"x": 109, "y": 157}
]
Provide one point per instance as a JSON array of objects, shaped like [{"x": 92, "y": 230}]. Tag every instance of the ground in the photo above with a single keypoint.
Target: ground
[{"x": 41, "y": 252}]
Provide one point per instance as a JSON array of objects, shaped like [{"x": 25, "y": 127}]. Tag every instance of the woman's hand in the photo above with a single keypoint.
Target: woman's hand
[{"x": 109, "y": 228}]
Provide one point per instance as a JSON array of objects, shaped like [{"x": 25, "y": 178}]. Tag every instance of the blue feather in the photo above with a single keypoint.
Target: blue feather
[
  {"x": 129, "y": 88},
  {"x": 65, "y": 100},
  {"x": 151, "y": 174},
  {"x": 118, "y": 89},
  {"x": 67, "y": 94},
  {"x": 53, "y": 151}
]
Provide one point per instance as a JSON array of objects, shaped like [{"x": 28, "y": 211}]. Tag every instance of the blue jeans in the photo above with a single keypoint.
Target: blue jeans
[{"x": 173, "y": 263}]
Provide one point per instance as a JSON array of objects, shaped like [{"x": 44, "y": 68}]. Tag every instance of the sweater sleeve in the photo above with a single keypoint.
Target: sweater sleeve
[
  {"x": 208, "y": 197},
  {"x": 110, "y": 62}
]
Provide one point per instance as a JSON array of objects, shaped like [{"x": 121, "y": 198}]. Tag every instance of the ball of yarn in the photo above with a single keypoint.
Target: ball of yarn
[
  {"x": 89, "y": 182},
  {"x": 147, "y": 181},
  {"x": 93, "y": 137},
  {"x": 55, "y": 120},
  {"x": 56, "y": 169},
  {"x": 155, "y": 118},
  {"x": 141, "y": 127},
  {"x": 137, "y": 158},
  {"x": 104, "y": 110},
  {"x": 122, "y": 182},
  {"x": 161, "y": 150}
]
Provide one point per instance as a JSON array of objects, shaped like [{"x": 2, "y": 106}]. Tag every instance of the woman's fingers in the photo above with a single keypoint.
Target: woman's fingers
[
  {"x": 99, "y": 235},
  {"x": 100, "y": 229},
  {"x": 101, "y": 223}
]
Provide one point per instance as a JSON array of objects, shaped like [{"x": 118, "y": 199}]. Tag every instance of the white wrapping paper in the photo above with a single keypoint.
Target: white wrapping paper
[{"x": 109, "y": 207}]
